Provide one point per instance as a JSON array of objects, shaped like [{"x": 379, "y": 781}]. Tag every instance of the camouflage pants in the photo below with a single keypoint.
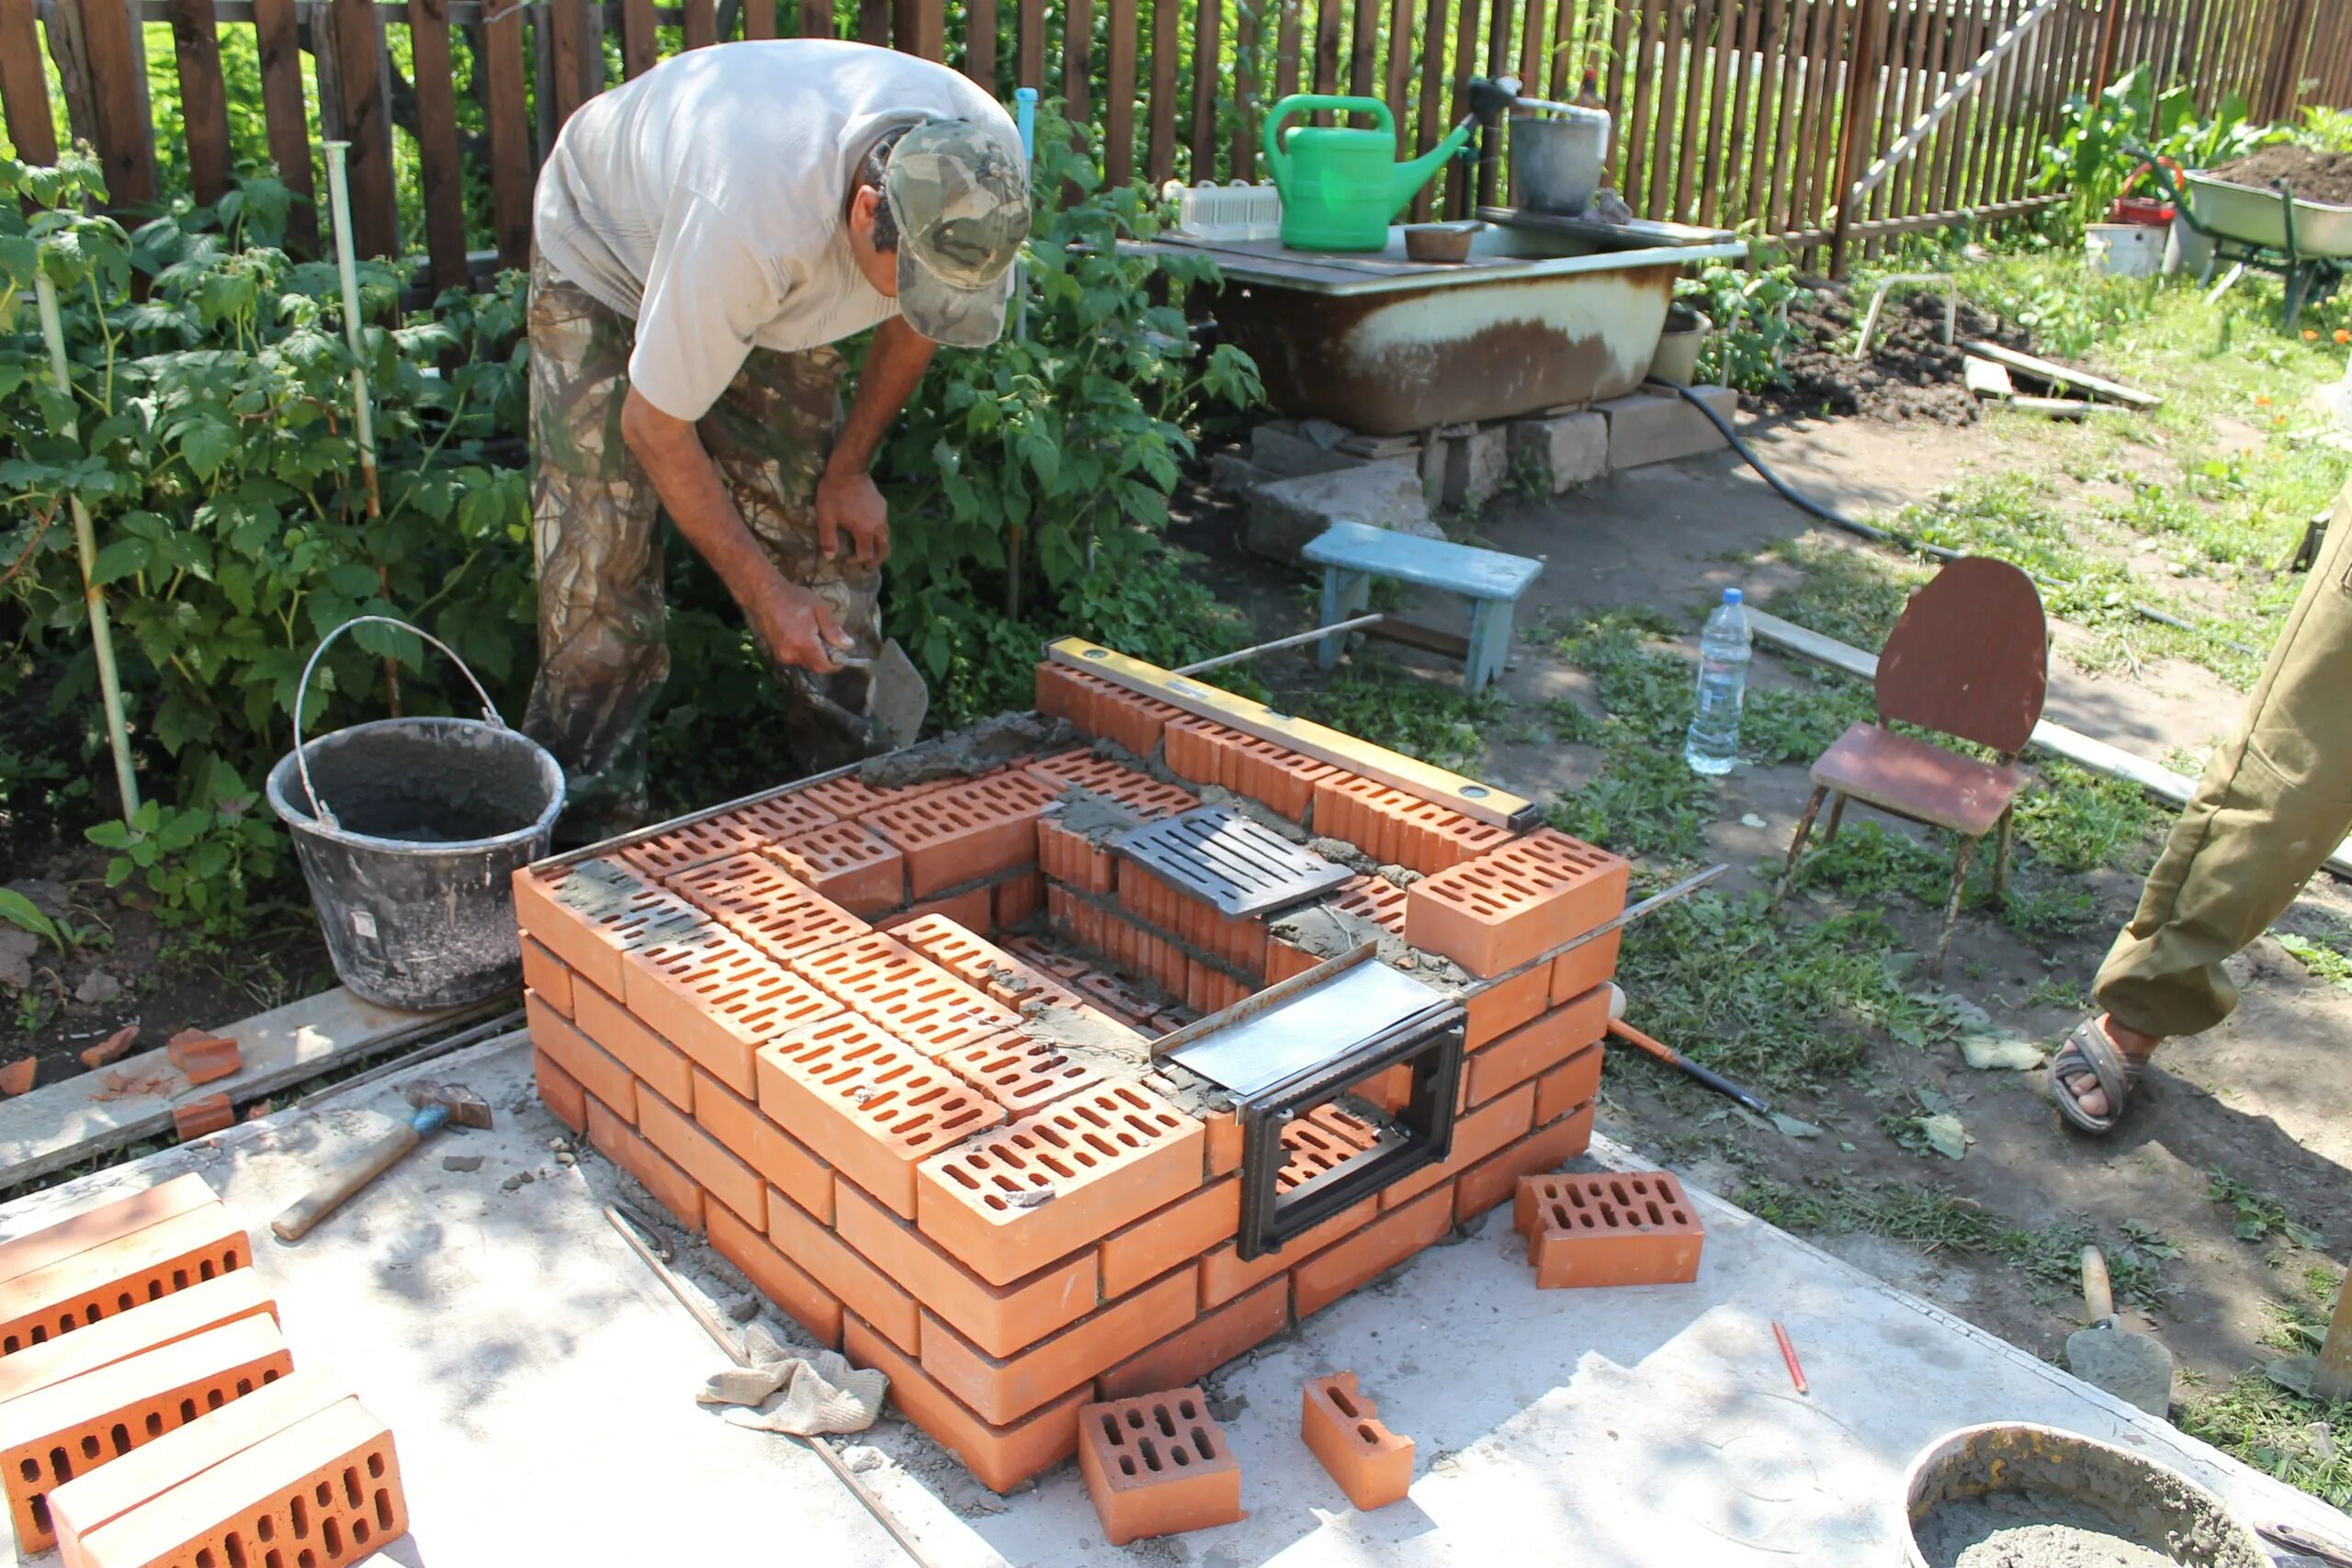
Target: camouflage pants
[{"x": 595, "y": 521}]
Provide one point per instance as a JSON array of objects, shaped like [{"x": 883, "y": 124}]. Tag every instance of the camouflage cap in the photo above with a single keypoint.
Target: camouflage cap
[{"x": 961, "y": 200}]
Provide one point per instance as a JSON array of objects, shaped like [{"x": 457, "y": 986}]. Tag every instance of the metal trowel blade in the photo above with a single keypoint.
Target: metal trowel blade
[{"x": 896, "y": 696}]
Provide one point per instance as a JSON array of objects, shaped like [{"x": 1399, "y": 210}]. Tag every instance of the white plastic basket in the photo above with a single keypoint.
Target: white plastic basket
[{"x": 1236, "y": 211}]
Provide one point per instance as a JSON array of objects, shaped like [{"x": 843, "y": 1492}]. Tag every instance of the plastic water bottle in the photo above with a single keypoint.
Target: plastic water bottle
[{"x": 1711, "y": 745}]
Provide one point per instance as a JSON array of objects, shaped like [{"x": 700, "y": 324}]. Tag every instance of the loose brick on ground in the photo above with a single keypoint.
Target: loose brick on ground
[
  {"x": 202, "y": 1058},
  {"x": 1389, "y": 1240},
  {"x": 793, "y": 1291},
  {"x": 146, "y": 1265},
  {"x": 1002, "y": 1320},
  {"x": 871, "y": 1105},
  {"x": 1157, "y": 1465},
  {"x": 761, "y": 902},
  {"x": 1373, "y": 1465},
  {"x": 1208, "y": 1342},
  {"x": 241, "y": 1292},
  {"x": 999, "y": 1458},
  {"x": 850, "y": 863},
  {"x": 1614, "y": 1228},
  {"x": 97, "y": 1224},
  {"x": 1043, "y": 1187},
  {"x": 716, "y": 997}
]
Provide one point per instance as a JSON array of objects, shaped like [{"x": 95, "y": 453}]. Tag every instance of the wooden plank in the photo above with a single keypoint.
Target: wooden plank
[
  {"x": 1694, "y": 79},
  {"x": 1248, "y": 107},
  {"x": 640, "y": 38},
  {"x": 1533, "y": 39},
  {"x": 563, "y": 23},
  {"x": 1078, "y": 61},
  {"x": 1481, "y": 802},
  {"x": 1208, "y": 25},
  {"x": 1719, "y": 147},
  {"x": 759, "y": 17},
  {"x": 1029, "y": 44},
  {"x": 1430, "y": 119},
  {"x": 1855, "y": 124},
  {"x": 1824, "y": 139},
  {"x": 1643, "y": 75},
  {"x": 1400, "y": 72},
  {"x": 437, "y": 143},
  {"x": 1763, "y": 114},
  {"x": 506, "y": 115},
  {"x": 1491, "y": 160},
  {"x": 1786, "y": 113},
  {"x": 979, "y": 43},
  {"x": 23, "y": 90},
  {"x": 1119, "y": 95},
  {"x": 817, "y": 19},
  {"x": 1327, "y": 51},
  {"x": 2060, "y": 375},
  {"x": 874, "y": 23},
  {"x": 1466, "y": 55},
  {"x": 1288, "y": 48},
  {"x": 357, "y": 39},
  {"x": 1167, "y": 18},
  {"x": 1893, "y": 93},
  {"x": 61, "y": 1124},
  {"x": 1364, "y": 51},
  {"x": 1621, "y": 31},
  {"x": 204, "y": 98},
  {"x": 698, "y": 21},
  {"x": 1815, "y": 96},
  {"x": 117, "y": 62}
]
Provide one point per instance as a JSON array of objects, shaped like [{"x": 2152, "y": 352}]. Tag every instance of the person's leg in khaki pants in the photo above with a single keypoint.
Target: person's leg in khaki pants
[{"x": 2275, "y": 802}]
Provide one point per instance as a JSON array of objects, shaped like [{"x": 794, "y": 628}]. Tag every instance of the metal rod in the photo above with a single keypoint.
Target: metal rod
[
  {"x": 363, "y": 417},
  {"x": 1681, "y": 890},
  {"x": 638, "y": 835},
  {"x": 1358, "y": 624},
  {"x": 85, "y": 550},
  {"x": 1677, "y": 1060},
  {"x": 727, "y": 1342},
  {"x": 418, "y": 1057}
]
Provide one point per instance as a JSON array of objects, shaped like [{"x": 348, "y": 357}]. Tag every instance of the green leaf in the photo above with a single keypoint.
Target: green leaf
[
  {"x": 123, "y": 557},
  {"x": 20, "y": 910},
  {"x": 207, "y": 446}
]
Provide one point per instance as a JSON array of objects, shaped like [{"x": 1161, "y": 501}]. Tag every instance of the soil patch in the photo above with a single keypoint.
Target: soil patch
[
  {"x": 2314, "y": 175},
  {"x": 1910, "y": 375}
]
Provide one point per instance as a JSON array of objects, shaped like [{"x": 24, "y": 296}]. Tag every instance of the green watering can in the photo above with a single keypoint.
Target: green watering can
[{"x": 1340, "y": 186}]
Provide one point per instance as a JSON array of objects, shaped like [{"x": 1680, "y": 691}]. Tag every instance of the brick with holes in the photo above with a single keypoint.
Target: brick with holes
[
  {"x": 999, "y": 1458},
  {"x": 546, "y": 977},
  {"x": 1612, "y": 1228},
  {"x": 1102, "y": 708},
  {"x": 54, "y": 1433},
  {"x": 241, "y": 1292},
  {"x": 1274, "y": 775},
  {"x": 1494, "y": 913},
  {"x": 870, "y": 1104},
  {"x": 764, "y": 904},
  {"x": 850, "y": 863},
  {"x": 1373, "y": 1465},
  {"x": 1021, "y": 1072},
  {"x": 718, "y": 999},
  {"x": 907, "y": 994},
  {"x": 1157, "y": 1465},
  {"x": 980, "y": 964},
  {"x": 964, "y": 833},
  {"x": 102, "y": 1495},
  {"x": 1042, "y": 1188},
  {"x": 96, "y": 1225},
  {"x": 590, "y": 913},
  {"x": 146, "y": 1265},
  {"x": 728, "y": 833},
  {"x": 326, "y": 1488},
  {"x": 1196, "y": 748},
  {"x": 1143, "y": 795}
]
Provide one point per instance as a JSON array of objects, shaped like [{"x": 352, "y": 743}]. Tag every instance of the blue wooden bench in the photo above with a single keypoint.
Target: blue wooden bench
[{"x": 1353, "y": 554}]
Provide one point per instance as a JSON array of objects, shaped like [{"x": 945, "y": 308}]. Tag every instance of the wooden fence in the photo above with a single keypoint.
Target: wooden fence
[{"x": 1752, "y": 113}]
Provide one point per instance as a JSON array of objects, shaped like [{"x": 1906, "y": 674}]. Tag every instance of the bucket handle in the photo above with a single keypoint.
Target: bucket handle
[{"x": 302, "y": 693}]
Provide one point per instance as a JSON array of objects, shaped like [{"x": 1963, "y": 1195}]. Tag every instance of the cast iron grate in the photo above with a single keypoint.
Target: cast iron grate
[{"x": 1223, "y": 857}]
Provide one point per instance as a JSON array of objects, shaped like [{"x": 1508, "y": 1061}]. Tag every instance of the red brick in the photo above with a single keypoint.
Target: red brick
[
  {"x": 1157, "y": 1465},
  {"x": 761, "y": 902},
  {"x": 561, "y": 1093},
  {"x": 1195, "y": 748},
  {"x": 53, "y": 1434},
  {"x": 1170, "y": 1237},
  {"x": 1497, "y": 912},
  {"x": 333, "y": 1478},
  {"x": 1021, "y": 1073},
  {"x": 1224, "y": 1276},
  {"x": 849, "y": 863},
  {"x": 1395, "y": 828},
  {"x": 241, "y": 1292},
  {"x": 202, "y": 1058},
  {"x": 1579, "y": 970},
  {"x": 1283, "y": 961},
  {"x": 1004, "y": 1389},
  {"x": 850, "y": 796},
  {"x": 97, "y": 1224},
  {"x": 907, "y": 994},
  {"x": 1223, "y": 1144},
  {"x": 1378, "y": 1247},
  {"x": 1002, "y": 1320},
  {"x": 548, "y": 977},
  {"x": 718, "y": 999},
  {"x": 870, "y": 1104},
  {"x": 845, "y": 1272},
  {"x": 974, "y": 908},
  {"x": 667, "y": 1185},
  {"x": 1062, "y": 692},
  {"x": 1116, "y": 998},
  {"x": 1373, "y": 1465},
  {"x": 1573, "y": 1083},
  {"x": 719, "y": 1173},
  {"x": 656, "y": 1064},
  {"x": 1208, "y": 1342},
  {"x": 999, "y": 1458},
  {"x": 1374, "y": 898},
  {"x": 980, "y": 964},
  {"x": 209, "y": 1113},
  {"x": 698, "y": 843},
  {"x": 590, "y": 913},
  {"x": 1239, "y": 941},
  {"x": 102, "y": 1495},
  {"x": 1480, "y": 1133},
  {"x": 1494, "y": 1013},
  {"x": 1317, "y": 1143},
  {"x": 1045, "y": 960},
  {"x": 1147, "y": 797},
  {"x": 1535, "y": 1048},
  {"x": 1271, "y": 774},
  {"x": 1102, "y": 708},
  {"x": 1101, "y": 1159},
  {"x": 1070, "y": 858},
  {"x": 146, "y": 1265},
  {"x": 1016, "y": 901},
  {"x": 776, "y": 1154},
  {"x": 777, "y": 1277},
  {"x": 965, "y": 832},
  {"x": 1612, "y": 1228},
  {"x": 1493, "y": 1181},
  {"x": 580, "y": 1059}
]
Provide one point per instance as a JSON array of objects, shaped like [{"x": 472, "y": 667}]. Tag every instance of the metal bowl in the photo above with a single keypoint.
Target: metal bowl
[
  {"x": 2135, "y": 1497},
  {"x": 1439, "y": 242}
]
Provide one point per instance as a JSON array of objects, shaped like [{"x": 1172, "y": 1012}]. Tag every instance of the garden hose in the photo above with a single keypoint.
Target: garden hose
[{"x": 1877, "y": 536}]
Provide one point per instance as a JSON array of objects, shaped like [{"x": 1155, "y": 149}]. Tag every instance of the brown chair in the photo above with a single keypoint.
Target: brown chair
[{"x": 1969, "y": 658}]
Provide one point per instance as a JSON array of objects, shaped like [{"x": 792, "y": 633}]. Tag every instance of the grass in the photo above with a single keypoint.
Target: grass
[
  {"x": 2258, "y": 1422},
  {"x": 1429, "y": 718},
  {"x": 2259, "y": 1215},
  {"x": 1851, "y": 594},
  {"x": 2323, "y": 958}
]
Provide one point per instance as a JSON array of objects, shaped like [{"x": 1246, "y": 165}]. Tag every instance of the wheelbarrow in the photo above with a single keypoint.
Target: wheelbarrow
[{"x": 2307, "y": 245}]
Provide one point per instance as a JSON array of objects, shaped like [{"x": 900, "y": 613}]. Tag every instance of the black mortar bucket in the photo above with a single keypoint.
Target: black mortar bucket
[{"x": 413, "y": 831}]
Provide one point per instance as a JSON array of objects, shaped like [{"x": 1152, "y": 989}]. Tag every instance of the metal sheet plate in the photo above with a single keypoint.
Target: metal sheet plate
[
  {"x": 1308, "y": 1028},
  {"x": 1223, "y": 857}
]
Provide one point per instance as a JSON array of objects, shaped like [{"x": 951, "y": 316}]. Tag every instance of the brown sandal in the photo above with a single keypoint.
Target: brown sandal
[{"x": 2090, "y": 1049}]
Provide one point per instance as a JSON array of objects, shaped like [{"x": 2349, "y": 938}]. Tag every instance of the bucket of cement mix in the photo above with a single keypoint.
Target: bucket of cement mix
[
  {"x": 409, "y": 832},
  {"x": 1556, "y": 157},
  {"x": 2031, "y": 1497}
]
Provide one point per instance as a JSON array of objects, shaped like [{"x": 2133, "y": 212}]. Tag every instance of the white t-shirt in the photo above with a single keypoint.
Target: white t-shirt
[{"x": 704, "y": 200}]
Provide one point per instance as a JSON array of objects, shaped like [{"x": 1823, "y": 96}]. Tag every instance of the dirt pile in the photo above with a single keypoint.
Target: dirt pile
[
  {"x": 2312, "y": 175},
  {"x": 1909, "y": 375}
]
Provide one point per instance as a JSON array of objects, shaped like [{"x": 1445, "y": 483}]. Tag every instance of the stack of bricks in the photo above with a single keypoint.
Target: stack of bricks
[
  {"x": 149, "y": 1412},
  {"x": 867, "y": 1101}
]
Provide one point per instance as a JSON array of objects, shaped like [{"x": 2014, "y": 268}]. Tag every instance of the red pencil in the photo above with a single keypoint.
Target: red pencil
[{"x": 1789, "y": 1354}]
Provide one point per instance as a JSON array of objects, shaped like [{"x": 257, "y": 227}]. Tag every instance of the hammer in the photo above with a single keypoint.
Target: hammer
[{"x": 437, "y": 1104}]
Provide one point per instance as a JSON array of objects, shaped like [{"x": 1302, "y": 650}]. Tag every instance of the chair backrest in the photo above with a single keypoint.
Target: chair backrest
[{"x": 1970, "y": 657}]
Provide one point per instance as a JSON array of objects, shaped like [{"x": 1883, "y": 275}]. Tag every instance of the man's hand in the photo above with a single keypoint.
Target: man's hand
[
  {"x": 848, "y": 502},
  {"x": 796, "y": 627}
]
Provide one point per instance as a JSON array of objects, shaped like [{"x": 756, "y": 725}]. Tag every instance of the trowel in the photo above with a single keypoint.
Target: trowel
[
  {"x": 2125, "y": 1362},
  {"x": 896, "y": 699}
]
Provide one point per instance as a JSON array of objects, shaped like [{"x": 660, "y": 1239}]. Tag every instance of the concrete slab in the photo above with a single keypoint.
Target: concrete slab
[
  {"x": 539, "y": 1383},
  {"x": 1648, "y": 427}
]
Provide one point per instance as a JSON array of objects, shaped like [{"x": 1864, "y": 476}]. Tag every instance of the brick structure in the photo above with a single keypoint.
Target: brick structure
[{"x": 874, "y": 1109}]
